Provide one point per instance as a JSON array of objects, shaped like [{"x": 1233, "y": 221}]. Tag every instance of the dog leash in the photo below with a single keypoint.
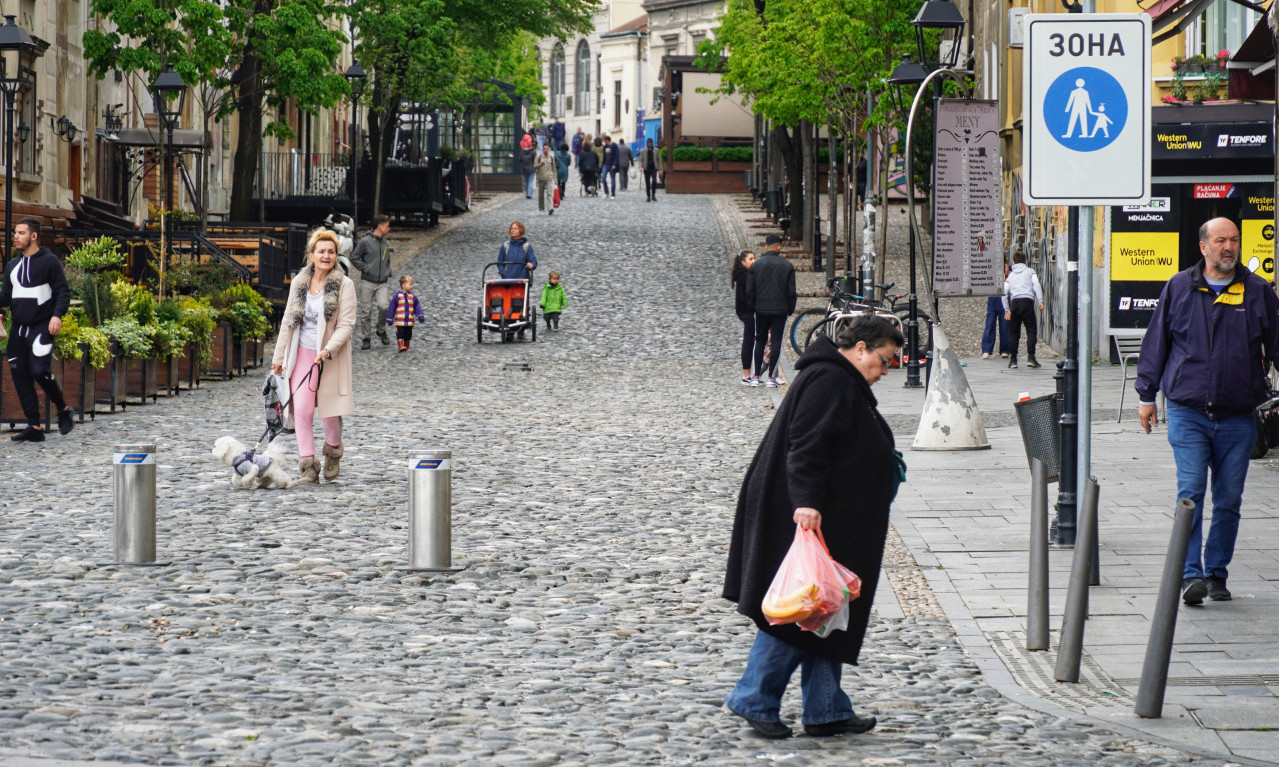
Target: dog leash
[{"x": 284, "y": 405}]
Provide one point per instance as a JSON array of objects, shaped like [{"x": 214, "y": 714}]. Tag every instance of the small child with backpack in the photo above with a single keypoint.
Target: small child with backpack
[
  {"x": 403, "y": 312},
  {"x": 554, "y": 301}
]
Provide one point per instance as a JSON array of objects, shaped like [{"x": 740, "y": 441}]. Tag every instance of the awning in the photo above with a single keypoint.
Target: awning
[
  {"x": 182, "y": 139},
  {"x": 1251, "y": 70}
]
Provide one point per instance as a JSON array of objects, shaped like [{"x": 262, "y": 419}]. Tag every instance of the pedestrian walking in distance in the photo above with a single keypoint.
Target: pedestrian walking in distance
[
  {"x": 1022, "y": 294},
  {"x": 650, "y": 161},
  {"x": 609, "y": 165},
  {"x": 528, "y": 156},
  {"x": 827, "y": 462},
  {"x": 624, "y": 159},
  {"x": 553, "y": 302},
  {"x": 544, "y": 167},
  {"x": 741, "y": 305},
  {"x": 996, "y": 325},
  {"x": 36, "y": 293},
  {"x": 771, "y": 295},
  {"x": 1208, "y": 348},
  {"x": 372, "y": 256},
  {"x": 404, "y": 312}
]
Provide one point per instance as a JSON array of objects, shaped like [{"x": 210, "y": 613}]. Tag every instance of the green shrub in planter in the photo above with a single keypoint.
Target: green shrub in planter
[
  {"x": 133, "y": 339},
  {"x": 693, "y": 153},
  {"x": 246, "y": 310},
  {"x": 734, "y": 154},
  {"x": 198, "y": 317},
  {"x": 66, "y": 344},
  {"x": 168, "y": 338}
]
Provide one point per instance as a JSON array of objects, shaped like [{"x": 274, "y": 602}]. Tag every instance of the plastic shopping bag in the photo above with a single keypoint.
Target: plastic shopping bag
[
  {"x": 555, "y": 198},
  {"x": 809, "y": 588}
]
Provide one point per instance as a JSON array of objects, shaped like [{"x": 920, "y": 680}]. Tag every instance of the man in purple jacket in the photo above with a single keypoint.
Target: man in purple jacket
[{"x": 1208, "y": 348}]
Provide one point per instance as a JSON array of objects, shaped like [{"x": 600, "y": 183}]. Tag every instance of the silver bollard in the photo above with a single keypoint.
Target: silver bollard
[
  {"x": 133, "y": 480},
  {"x": 431, "y": 511},
  {"x": 1037, "y": 588},
  {"x": 1070, "y": 648},
  {"x": 1092, "y": 496},
  {"x": 1163, "y": 625}
]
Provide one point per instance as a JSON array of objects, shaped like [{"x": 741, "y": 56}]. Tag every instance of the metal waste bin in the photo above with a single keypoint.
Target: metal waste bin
[
  {"x": 1040, "y": 422},
  {"x": 133, "y": 480},
  {"x": 431, "y": 510}
]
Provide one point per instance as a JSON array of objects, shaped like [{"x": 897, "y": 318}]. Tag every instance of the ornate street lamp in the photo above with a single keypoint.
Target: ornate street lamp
[
  {"x": 66, "y": 130},
  {"x": 944, "y": 16},
  {"x": 17, "y": 57},
  {"x": 112, "y": 121},
  {"x": 170, "y": 93},
  {"x": 357, "y": 77}
]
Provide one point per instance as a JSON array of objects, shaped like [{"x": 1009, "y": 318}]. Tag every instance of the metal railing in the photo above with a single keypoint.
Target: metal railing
[{"x": 294, "y": 173}]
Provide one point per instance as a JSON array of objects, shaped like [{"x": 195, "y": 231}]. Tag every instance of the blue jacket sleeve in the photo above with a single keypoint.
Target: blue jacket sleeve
[
  {"x": 1154, "y": 351},
  {"x": 529, "y": 257}
]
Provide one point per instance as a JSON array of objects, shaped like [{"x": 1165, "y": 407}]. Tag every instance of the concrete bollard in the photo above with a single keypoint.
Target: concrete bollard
[
  {"x": 1163, "y": 625},
  {"x": 431, "y": 511},
  {"x": 1070, "y": 649},
  {"x": 133, "y": 483},
  {"x": 1037, "y": 587}
]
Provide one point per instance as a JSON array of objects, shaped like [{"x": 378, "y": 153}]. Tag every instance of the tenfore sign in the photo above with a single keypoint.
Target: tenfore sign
[{"x": 1086, "y": 109}]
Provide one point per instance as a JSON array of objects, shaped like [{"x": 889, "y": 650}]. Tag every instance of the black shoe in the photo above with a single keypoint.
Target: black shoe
[
  {"x": 386, "y": 340},
  {"x": 1193, "y": 591},
  {"x": 770, "y": 730},
  {"x": 368, "y": 344},
  {"x": 1032, "y": 363},
  {"x": 65, "y": 421},
  {"x": 29, "y": 434},
  {"x": 856, "y": 726},
  {"x": 1217, "y": 590},
  {"x": 1012, "y": 363}
]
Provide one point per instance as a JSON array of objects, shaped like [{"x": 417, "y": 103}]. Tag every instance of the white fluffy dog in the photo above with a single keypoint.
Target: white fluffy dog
[{"x": 263, "y": 470}]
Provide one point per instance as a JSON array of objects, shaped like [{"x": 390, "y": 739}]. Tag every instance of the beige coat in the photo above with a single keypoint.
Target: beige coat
[
  {"x": 334, "y": 396},
  {"x": 545, "y": 167}
]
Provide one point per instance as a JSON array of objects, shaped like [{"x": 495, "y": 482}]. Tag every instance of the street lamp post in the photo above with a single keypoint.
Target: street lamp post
[
  {"x": 17, "y": 57},
  {"x": 170, "y": 93},
  {"x": 357, "y": 77}
]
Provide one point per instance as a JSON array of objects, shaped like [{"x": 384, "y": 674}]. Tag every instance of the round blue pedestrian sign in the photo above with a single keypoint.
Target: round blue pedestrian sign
[{"x": 1085, "y": 109}]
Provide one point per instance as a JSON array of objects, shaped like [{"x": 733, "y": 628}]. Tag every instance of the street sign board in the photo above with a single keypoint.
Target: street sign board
[
  {"x": 967, "y": 194},
  {"x": 1086, "y": 109}
]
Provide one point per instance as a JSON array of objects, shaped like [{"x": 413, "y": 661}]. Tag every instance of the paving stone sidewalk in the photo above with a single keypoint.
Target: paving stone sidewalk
[{"x": 592, "y": 503}]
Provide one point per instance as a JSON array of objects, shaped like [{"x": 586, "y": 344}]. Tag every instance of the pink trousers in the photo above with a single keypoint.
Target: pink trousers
[{"x": 304, "y": 406}]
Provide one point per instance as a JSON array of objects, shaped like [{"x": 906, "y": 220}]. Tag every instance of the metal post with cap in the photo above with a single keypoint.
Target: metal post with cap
[
  {"x": 431, "y": 511},
  {"x": 133, "y": 492}
]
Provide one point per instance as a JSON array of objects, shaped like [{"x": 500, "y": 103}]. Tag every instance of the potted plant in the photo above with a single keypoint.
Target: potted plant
[
  {"x": 246, "y": 311},
  {"x": 200, "y": 320},
  {"x": 133, "y": 350},
  {"x": 169, "y": 340},
  {"x": 79, "y": 351}
]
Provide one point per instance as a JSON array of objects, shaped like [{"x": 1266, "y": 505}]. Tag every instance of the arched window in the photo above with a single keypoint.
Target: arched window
[
  {"x": 557, "y": 81},
  {"x": 582, "y": 80}
]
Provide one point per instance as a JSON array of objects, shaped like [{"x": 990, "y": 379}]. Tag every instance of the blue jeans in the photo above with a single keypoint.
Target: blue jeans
[
  {"x": 610, "y": 181},
  {"x": 995, "y": 320},
  {"x": 528, "y": 184},
  {"x": 758, "y": 694},
  {"x": 1222, "y": 444}
]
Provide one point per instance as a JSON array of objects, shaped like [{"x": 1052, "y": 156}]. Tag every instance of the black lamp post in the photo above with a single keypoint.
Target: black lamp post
[
  {"x": 66, "y": 130},
  {"x": 17, "y": 57},
  {"x": 170, "y": 94},
  {"x": 941, "y": 15},
  {"x": 357, "y": 77},
  {"x": 112, "y": 121}
]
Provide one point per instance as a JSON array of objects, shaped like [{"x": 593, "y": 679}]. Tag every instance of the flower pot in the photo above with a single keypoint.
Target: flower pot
[
  {"x": 111, "y": 390},
  {"x": 79, "y": 382},
  {"x": 141, "y": 379},
  {"x": 169, "y": 375},
  {"x": 188, "y": 368},
  {"x": 222, "y": 362}
]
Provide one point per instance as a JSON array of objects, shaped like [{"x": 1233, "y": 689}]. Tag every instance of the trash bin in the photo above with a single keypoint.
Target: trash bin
[
  {"x": 1040, "y": 422},
  {"x": 773, "y": 198}
]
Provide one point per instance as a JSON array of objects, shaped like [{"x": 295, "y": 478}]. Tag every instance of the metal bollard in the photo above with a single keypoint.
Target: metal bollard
[
  {"x": 1037, "y": 588},
  {"x": 431, "y": 511},
  {"x": 1070, "y": 648},
  {"x": 133, "y": 480},
  {"x": 1163, "y": 625},
  {"x": 1092, "y": 496}
]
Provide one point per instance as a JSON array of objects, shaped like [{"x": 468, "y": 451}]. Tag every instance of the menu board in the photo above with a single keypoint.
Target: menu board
[{"x": 968, "y": 225}]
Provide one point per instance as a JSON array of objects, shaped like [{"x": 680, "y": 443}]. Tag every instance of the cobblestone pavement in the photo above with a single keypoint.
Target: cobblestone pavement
[{"x": 592, "y": 502}]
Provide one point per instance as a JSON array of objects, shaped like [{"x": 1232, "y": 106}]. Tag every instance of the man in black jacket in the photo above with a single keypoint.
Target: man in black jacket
[
  {"x": 770, "y": 292},
  {"x": 35, "y": 289}
]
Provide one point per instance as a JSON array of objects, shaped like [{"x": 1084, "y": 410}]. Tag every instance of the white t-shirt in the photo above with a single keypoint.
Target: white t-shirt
[{"x": 309, "y": 335}]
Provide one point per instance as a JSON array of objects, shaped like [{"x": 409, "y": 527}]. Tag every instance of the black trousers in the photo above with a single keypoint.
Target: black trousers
[
  {"x": 748, "y": 339},
  {"x": 1023, "y": 313},
  {"x": 764, "y": 325},
  {"x": 650, "y": 183},
  {"x": 30, "y": 355},
  {"x": 552, "y": 318},
  {"x": 404, "y": 333}
]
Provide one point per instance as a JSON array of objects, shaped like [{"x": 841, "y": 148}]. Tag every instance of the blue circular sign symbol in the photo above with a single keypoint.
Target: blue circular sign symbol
[{"x": 1085, "y": 109}]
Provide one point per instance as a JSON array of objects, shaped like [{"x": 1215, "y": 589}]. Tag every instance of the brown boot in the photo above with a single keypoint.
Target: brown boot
[
  {"x": 332, "y": 455},
  {"x": 309, "y": 468}
]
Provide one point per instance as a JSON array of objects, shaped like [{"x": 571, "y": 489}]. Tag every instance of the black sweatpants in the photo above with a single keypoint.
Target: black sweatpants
[
  {"x": 1023, "y": 313},
  {"x": 766, "y": 324},
  {"x": 650, "y": 183},
  {"x": 748, "y": 339},
  {"x": 30, "y": 353}
]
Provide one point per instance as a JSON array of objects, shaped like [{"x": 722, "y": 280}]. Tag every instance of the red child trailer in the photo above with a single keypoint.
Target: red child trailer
[{"x": 506, "y": 308}]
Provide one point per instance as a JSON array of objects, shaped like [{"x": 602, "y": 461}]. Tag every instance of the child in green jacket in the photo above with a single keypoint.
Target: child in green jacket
[{"x": 554, "y": 300}]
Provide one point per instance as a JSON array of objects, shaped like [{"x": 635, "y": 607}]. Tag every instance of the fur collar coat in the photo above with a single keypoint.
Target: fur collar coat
[{"x": 334, "y": 396}]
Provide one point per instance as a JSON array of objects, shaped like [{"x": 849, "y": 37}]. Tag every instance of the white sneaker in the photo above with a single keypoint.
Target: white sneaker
[
  {"x": 1004, "y": 355},
  {"x": 771, "y": 383},
  {"x": 754, "y": 381},
  {"x": 985, "y": 355}
]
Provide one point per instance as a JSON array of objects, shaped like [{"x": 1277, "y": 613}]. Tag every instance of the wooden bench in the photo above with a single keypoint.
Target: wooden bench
[{"x": 1129, "y": 350}]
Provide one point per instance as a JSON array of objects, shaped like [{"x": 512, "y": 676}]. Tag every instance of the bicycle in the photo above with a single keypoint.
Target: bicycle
[{"x": 842, "y": 306}]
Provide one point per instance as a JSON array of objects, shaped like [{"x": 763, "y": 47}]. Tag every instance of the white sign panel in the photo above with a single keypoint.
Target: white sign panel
[{"x": 1086, "y": 109}]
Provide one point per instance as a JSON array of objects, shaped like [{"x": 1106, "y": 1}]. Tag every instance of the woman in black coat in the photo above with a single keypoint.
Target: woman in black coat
[
  {"x": 745, "y": 312},
  {"x": 828, "y": 462}
]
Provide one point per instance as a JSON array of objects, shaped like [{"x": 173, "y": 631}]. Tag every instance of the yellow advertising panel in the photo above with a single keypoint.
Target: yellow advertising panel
[
  {"x": 1143, "y": 256},
  {"x": 1258, "y": 247}
]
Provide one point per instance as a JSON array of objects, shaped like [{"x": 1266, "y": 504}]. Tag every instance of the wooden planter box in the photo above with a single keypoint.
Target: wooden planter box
[
  {"x": 222, "y": 362},
  {"x": 142, "y": 379},
  {"x": 188, "y": 369},
  {"x": 79, "y": 382},
  {"x": 111, "y": 390},
  {"x": 248, "y": 354},
  {"x": 169, "y": 375}
]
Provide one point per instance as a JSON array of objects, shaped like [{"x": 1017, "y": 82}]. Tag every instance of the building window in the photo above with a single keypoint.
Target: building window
[
  {"x": 582, "y": 79},
  {"x": 617, "y": 103},
  {"x": 557, "y": 81},
  {"x": 1224, "y": 26},
  {"x": 25, "y": 113}
]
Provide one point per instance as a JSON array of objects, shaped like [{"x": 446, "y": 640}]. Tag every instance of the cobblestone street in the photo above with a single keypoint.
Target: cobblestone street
[{"x": 593, "y": 498}]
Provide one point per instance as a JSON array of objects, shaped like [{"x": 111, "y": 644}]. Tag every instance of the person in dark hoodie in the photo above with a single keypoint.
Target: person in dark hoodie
[
  {"x": 744, "y": 311},
  {"x": 35, "y": 290},
  {"x": 827, "y": 462},
  {"x": 528, "y": 156}
]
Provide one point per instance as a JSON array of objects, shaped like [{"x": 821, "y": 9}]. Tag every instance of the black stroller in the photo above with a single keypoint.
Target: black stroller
[{"x": 588, "y": 165}]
